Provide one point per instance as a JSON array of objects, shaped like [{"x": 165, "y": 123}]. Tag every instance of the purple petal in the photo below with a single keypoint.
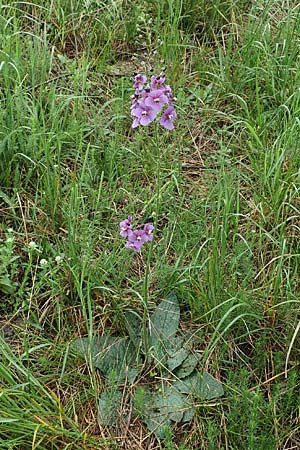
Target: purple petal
[
  {"x": 135, "y": 122},
  {"x": 157, "y": 82},
  {"x": 148, "y": 228},
  {"x": 139, "y": 81},
  {"x": 134, "y": 246},
  {"x": 156, "y": 106},
  {"x": 125, "y": 226},
  {"x": 167, "y": 123},
  {"x": 167, "y": 118},
  {"x": 147, "y": 116}
]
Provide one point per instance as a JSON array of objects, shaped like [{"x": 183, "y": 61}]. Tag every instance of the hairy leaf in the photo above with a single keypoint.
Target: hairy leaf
[
  {"x": 109, "y": 407},
  {"x": 158, "y": 423},
  {"x": 163, "y": 407},
  {"x": 163, "y": 326},
  {"x": 210, "y": 387},
  {"x": 133, "y": 323},
  {"x": 108, "y": 353},
  {"x": 187, "y": 366},
  {"x": 188, "y": 415},
  {"x": 177, "y": 359},
  {"x": 204, "y": 386},
  {"x": 188, "y": 385}
]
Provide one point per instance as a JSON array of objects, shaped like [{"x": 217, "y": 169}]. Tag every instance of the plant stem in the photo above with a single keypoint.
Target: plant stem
[{"x": 146, "y": 330}]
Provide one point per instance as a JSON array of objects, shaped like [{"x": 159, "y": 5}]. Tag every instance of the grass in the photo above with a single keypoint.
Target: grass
[{"x": 227, "y": 236}]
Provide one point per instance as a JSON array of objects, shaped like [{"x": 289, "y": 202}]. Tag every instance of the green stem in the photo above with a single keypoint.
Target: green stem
[{"x": 150, "y": 248}]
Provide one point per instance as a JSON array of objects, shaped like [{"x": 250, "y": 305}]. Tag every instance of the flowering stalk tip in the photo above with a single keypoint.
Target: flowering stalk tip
[
  {"x": 149, "y": 100},
  {"x": 138, "y": 237}
]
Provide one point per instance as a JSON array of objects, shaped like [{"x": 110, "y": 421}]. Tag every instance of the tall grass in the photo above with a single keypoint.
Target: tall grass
[{"x": 227, "y": 241}]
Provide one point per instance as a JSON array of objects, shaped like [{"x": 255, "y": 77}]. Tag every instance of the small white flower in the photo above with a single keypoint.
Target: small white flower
[
  {"x": 32, "y": 245},
  {"x": 58, "y": 259},
  {"x": 43, "y": 262}
]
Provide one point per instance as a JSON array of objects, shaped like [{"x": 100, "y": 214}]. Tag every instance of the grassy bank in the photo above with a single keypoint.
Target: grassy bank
[{"x": 227, "y": 213}]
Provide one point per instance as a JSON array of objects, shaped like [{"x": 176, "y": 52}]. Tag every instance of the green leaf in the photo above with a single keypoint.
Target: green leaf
[
  {"x": 108, "y": 353},
  {"x": 163, "y": 326},
  {"x": 133, "y": 323},
  {"x": 8, "y": 420},
  {"x": 132, "y": 374},
  {"x": 204, "y": 386},
  {"x": 157, "y": 423},
  {"x": 164, "y": 406},
  {"x": 187, "y": 367},
  {"x": 172, "y": 402},
  {"x": 188, "y": 385},
  {"x": 6, "y": 285},
  {"x": 188, "y": 415},
  {"x": 177, "y": 359},
  {"x": 109, "y": 407},
  {"x": 210, "y": 387},
  {"x": 6, "y": 199}
]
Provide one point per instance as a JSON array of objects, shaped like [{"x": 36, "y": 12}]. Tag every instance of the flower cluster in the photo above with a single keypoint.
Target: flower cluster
[
  {"x": 149, "y": 100},
  {"x": 136, "y": 238}
]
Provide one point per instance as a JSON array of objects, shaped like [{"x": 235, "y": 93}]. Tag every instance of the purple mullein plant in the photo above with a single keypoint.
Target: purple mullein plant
[
  {"x": 145, "y": 114},
  {"x": 157, "y": 82},
  {"x": 156, "y": 99},
  {"x": 148, "y": 232},
  {"x": 167, "y": 118},
  {"x": 139, "y": 81},
  {"x": 125, "y": 226},
  {"x": 148, "y": 101},
  {"x": 136, "y": 238}
]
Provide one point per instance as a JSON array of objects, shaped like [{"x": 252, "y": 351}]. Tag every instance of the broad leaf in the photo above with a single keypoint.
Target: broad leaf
[
  {"x": 164, "y": 407},
  {"x": 109, "y": 407},
  {"x": 187, "y": 366},
  {"x": 188, "y": 385},
  {"x": 204, "y": 386},
  {"x": 171, "y": 402},
  {"x": 210, "y": 387},
  {"x": 133, "y": 323},
  {"x": 158, "y": 423},
  {"x": 188, "y": 415},
  {"x": 163, "y": 325},
  {"x": 177, "y": 359},
  {"x": 108, "y": 353},
  {"x": 131, "y": 374}
]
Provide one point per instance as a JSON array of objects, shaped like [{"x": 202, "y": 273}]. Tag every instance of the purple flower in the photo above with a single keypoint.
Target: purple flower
[
  {"x": 135, "y": 123},
  {"x": 148, "y": 229},
  {"x": 134, "y": 101},
  {"x": 157, "y": 82},
  {"x": 145, "y": 93},
  {"x": 139, "y": 81},
  {"x": 125, "y": 226},
  {"x": 148, "y": 100},
  {"x": 168, "y": 90},
  {"x": 169, "y": 94},
  {"x": 144, "y": 113},
  {"x": 136, "y": 240},
  {"x": 167, "y": 118},
  {"x": 156, "y": 99}
]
